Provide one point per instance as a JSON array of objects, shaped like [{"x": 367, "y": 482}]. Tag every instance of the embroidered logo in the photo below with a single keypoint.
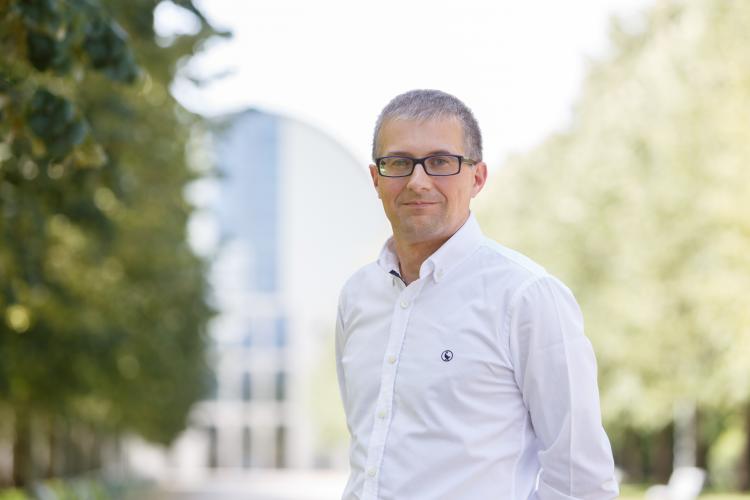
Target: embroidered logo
[{"x": 446, "y": 356}]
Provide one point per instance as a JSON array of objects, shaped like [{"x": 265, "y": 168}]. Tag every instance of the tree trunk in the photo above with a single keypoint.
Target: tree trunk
[
  {"x": 68, "y": 456},
  {"x": 96, "y": 463},
  {"x": 53, "y": 442},
  {"x": 662, "y": 453},
  {"x": 631, "y": 455},
  {"x": 21, "y": 449},
  {"x": 702, "y": 444},
  {"x": 743, "y": 474}
]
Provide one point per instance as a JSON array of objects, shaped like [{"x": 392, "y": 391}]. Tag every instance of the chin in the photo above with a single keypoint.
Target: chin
[{"x": 422, "y": 230}]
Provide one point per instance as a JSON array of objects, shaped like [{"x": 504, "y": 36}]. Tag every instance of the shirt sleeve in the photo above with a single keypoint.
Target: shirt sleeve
[
  {"x": 555, "y": 369},
  {"x": 340, "y": 338}
]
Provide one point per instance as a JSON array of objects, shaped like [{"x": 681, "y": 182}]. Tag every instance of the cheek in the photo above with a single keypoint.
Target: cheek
[
  {"x": 458, "y": 198},
  {"x": 389, "y": 191},
  {"x": 387, "y": 196}
]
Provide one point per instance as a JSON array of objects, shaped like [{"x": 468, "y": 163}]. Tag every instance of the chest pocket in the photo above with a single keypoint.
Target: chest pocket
[{"x": 450, "y": 361}]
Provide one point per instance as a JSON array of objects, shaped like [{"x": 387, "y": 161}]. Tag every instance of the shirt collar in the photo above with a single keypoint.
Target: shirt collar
[{"x": 461, "y": 244}]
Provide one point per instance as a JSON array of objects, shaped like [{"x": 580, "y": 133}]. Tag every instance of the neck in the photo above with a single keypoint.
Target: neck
[{"x": 411, "y": 255}]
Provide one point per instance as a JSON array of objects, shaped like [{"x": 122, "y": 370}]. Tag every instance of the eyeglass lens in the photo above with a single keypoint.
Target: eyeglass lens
[{"x": 397, "y": 166}]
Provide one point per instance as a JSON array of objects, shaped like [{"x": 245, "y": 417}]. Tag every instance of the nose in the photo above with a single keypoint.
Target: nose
[{"x": 419, "y": 178}]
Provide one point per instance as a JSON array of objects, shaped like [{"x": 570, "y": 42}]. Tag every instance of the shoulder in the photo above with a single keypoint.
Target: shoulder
[
  {"x": 508, "y": 266},
  {"x": 518, "y": 274},
  {"x": 540, "y": 308},
  {"x": 362, "y": 279},
  {"x": 515, "y": 260}
]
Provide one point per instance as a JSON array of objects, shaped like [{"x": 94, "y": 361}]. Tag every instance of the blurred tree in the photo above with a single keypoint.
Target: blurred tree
[
  {"x": 642, "y": 205},
  {"x": 102, "y": 312}
]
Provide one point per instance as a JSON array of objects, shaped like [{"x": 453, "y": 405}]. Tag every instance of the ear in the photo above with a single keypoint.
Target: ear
[
  {"x": 375, "y": 177},
  {"x": 479, "y": 178}
]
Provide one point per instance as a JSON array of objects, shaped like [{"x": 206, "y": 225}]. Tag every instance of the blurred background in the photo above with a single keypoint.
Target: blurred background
[{"x": 183, "y": 191}]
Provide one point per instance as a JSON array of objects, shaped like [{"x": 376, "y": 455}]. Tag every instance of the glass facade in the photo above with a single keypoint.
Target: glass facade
[
  {"x": 253, "y": 326},
  {"x": 280, "y": 386},
  {"x": 246, "y": 447},
  {"x": 280, "y": 446},
  {"x": 247, "y": 387},
  {"x": 248, "y": 210},
  {"x": 280, "y": 332}
]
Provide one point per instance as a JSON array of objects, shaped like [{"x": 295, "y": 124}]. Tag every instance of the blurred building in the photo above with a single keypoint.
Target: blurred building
[{"x": 296, "y": 214}]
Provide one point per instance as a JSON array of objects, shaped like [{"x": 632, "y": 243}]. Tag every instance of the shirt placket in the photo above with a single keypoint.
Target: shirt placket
[{"x": 383, "y": 409}]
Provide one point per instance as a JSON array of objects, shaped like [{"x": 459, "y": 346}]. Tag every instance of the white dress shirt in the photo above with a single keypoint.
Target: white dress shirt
[{"x": 474, "y": 382}]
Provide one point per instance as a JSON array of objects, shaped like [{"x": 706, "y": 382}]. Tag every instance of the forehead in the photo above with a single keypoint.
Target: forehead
[{"x": 421, "y": 137}]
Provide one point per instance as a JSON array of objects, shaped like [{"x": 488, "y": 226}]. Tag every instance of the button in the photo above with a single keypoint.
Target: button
[
  {"x": 404, "y": 304},
  {"x": 382, "y": 414},
  {"x": 439, "y": 274},
  {"x": 391, "y": 359},
  {"x": 371, "y": 472}
]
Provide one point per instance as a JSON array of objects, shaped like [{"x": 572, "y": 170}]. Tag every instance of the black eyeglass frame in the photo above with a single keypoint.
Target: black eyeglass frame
[{"x": 418, "y": 161}]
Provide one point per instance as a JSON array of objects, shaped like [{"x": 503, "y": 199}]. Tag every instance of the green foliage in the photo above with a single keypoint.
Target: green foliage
[
  {"x": 79, "y": 489},
  {"x": 102, "y": 310},
  {"x": 54, "y": 120},
  {"x": 641, "y": 206},
  {"x": 724, "y": 457},
  {"x": 325, "y": 408},
  {"x": 637, "y": 494},
  {"x": 13, "y": 494},
  {"x": 58, "y": 33}
]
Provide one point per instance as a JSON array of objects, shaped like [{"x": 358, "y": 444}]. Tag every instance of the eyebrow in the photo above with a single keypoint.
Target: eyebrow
[{"x": 434, "y": 152}]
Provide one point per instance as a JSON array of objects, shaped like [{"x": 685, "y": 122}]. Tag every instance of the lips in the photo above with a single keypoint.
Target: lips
[{"x": 419, "y": 203}]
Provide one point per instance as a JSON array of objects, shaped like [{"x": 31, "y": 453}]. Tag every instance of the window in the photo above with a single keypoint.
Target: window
[
  {"x": 280, "y": 386},
  {"x": 247, "y": 388},
  {"x": 213, "y": 447},
  {"x": 246, "y": 447},
  {"x": 279, "y": 339},
  {"x": 280, "y": 447},
  {"x": 212, "y": 383}
]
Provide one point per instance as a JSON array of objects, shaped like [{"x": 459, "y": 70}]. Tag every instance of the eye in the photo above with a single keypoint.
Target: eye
[{"x": 442, "y": 164}]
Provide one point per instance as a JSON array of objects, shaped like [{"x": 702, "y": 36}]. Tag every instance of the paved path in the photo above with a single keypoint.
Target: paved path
[{"x": 256, "y": 485}]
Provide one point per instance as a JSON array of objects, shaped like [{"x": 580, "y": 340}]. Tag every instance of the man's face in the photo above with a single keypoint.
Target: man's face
[{"x": 424, "y": 208}]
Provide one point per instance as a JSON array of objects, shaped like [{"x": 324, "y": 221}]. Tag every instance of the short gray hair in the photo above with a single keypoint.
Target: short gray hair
[{"x": 422, "y": 105}]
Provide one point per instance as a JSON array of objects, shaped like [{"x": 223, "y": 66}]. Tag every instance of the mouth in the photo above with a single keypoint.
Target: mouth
[{"x": 420, "y": 203}]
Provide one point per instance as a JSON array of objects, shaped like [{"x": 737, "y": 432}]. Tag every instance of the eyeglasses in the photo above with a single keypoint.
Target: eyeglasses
[{"x": 403, "y": 166}]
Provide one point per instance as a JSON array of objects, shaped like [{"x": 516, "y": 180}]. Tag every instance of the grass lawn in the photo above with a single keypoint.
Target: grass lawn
[
  {"x": 708, "y": 496},
  {"x": 629, "y": 492}
]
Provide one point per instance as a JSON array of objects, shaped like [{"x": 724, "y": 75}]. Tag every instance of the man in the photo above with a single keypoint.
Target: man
[{"x": 463, "y": 367}]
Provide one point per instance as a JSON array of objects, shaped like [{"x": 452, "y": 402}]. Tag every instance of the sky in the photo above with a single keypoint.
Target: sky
[{"x": 334, "y": 64}]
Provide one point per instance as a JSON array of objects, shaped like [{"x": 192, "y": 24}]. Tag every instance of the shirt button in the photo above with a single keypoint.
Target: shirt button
[
  {"x": 381, "y": 414},
  {"x": 371, "y": 472},
  {"x": 404, "y": 304},
  {"x": 391, "y": 359}
]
